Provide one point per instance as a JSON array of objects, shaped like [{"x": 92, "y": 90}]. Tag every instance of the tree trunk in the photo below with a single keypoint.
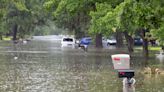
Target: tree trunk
[
  {"x": 1, "y": 38},
  {"x": 99, "y": 40},
  {"x": 119, "y": 39},
  {"x": 130, "y": 42},
  {"x": 145, "y": 48},
  {"x": 14, "y": 30},
  {"x": 145, "y": 43}
]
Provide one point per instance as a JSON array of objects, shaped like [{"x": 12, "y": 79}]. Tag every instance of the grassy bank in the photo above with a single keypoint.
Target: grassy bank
[
  {"x": 7, "y": 38},
  {"x": 152, "y": 48}
]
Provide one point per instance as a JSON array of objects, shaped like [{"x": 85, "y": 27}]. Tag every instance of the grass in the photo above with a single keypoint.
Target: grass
[
  {"x": 152, "y": 48},
  {"x": 155, "y": 48},
  {"x": 7, "y": 38}
]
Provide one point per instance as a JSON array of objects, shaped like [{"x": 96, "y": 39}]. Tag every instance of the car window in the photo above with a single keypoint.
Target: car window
[
  {"x": 137, "y": 39},
  {"x": 88, "y": 39},
  {"x": 68, "y": 39}
]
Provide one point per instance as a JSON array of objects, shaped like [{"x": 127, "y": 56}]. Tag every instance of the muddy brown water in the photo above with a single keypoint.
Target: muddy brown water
[{"x": 41, "y": 66}]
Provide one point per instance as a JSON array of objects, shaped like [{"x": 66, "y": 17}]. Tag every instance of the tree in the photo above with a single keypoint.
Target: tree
[
  {"x": 148, "y": 16},
  {"x": 131, "y": 16},
  {"x": 74, "y": 15},
  {"x": 98, "y": 27},
  {"x": 70, "y": 14},
  {"x": 159, "y": 34},
  {"x": 105, "y": 20},
  {"x": 3, "y": 4},
  {"x": 23, "y": 16}
]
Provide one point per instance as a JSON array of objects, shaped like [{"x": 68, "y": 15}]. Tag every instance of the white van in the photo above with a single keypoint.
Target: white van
[{"x": 68, "y": 42}]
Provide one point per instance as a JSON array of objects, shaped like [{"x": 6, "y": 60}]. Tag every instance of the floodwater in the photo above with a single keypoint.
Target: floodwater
[{"x": 43, "y": 66}]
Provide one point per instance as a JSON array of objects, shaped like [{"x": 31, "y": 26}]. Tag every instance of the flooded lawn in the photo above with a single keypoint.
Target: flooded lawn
[{"x": 40, "y": 66}]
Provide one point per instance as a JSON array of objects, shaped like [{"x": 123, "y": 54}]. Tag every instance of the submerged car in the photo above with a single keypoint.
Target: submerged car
[
  {"x": 111, "y": 41},
  {"x": 68, "y": 42},
  {"x": 85, "y": 41},
  {"x": 138, "y": 41}
]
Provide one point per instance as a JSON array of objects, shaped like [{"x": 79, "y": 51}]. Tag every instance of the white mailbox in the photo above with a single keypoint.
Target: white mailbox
[{"x": 121, "y": 61}]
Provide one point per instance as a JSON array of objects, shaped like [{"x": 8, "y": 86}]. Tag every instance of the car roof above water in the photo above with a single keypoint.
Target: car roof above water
[{"x": 68, "y": 39}]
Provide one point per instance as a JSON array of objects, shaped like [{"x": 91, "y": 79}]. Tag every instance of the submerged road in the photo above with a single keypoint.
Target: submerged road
[{"x": 43, "y": 66}]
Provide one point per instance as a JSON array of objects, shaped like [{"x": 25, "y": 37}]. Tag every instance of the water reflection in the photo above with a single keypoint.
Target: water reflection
[
  {"x": 160, "y": 56},
  {"x": 45, "y": 67},
  {"x": 127, "y": 88}
]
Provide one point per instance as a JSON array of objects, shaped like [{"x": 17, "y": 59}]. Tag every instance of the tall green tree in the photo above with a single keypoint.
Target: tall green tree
[
  {"x": 159, "y": 35},
  {"x": 130, "y": 17},
  {"x": 98, "y": 26},
  {"x": 106, "y": 19},
  {"x": 71, "y": 14},
  {"x": 148, "y": 15},
  {"x": 23, "y": 16},
  {"x": 75, "y": 14},
  {"x": 3, "y": 4}
]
